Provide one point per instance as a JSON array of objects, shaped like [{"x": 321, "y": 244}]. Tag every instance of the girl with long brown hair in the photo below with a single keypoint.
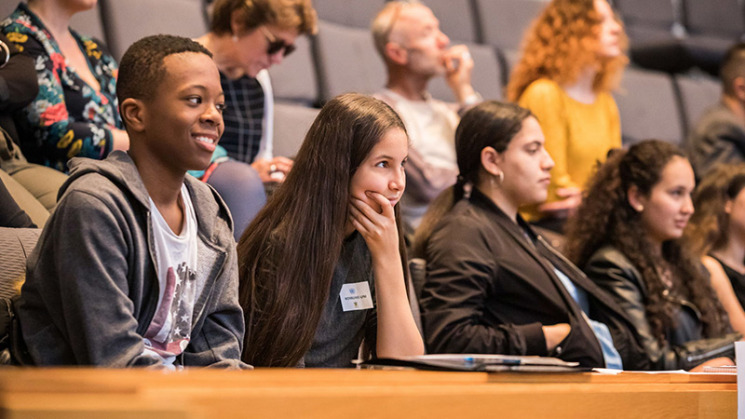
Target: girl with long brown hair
[
  {"x": 627, "y": 236},
  {"x": 571, "y": 59},
  {"x": 323, "y": 264}
]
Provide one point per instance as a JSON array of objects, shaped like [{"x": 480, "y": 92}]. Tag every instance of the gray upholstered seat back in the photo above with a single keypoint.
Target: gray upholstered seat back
[
  {"x": 17, "y": 244},
  {"x": 648, "y": 106}
]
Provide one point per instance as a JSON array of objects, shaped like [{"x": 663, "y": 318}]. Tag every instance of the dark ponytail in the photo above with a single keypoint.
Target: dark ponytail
[{"x": 489, "y": 124}]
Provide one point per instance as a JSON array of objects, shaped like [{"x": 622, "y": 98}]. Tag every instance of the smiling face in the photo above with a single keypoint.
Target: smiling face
[
  {"x": 667, "y": 209},
  {"x": 610, "y": 31},
  {"x": 526, "y": 166},
  {"x": 382, "y": 171},
  {"x": 251, "y": 48},
  {"x": 182, "y": 122}
]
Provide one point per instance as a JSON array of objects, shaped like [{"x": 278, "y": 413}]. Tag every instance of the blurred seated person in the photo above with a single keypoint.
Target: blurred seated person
[
  {"x": 719, "y": 135},
  {"x": 245, "y": 39},
  {"x": 572, "y": 57},
  {"x": 408, "y": 38},
  {"x": 35, "y": 186},
  {"x": 75, "y": 112}
]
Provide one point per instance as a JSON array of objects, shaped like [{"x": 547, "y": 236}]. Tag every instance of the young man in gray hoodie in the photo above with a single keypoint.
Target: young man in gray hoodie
[{"x": 137, "y": 265}]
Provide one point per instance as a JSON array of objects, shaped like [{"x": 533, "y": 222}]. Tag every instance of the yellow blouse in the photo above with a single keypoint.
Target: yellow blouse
[{"x": 578, "y": 135}]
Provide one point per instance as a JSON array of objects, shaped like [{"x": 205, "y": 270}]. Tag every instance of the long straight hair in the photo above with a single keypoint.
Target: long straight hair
[{"x": 287, "y": 255}]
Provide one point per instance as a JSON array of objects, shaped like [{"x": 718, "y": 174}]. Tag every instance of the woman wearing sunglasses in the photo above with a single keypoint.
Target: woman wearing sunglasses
[{"x": 247, "y": 37}]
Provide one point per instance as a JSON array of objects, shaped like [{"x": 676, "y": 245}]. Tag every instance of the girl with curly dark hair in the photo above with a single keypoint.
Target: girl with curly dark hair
[
  {"x": 627, "y": 236},
  {"x": 717, "y": 233}
]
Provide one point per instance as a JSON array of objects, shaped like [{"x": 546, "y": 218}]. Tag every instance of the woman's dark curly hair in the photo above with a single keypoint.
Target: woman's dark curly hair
[{"x": 605, "y": 217}]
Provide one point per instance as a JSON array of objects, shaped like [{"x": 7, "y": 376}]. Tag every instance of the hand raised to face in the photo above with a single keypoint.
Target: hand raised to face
[{"x": 378, "y": 228}]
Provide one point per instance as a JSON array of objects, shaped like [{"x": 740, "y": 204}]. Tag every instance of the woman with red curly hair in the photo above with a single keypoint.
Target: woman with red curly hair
[{"x": 572, "y": 56}]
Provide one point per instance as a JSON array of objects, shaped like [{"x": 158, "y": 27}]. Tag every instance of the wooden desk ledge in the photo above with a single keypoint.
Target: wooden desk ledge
[{"x": 293, "y": 393}]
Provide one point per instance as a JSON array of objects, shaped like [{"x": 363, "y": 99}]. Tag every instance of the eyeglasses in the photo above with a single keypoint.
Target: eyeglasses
[{"x": 276, "y": 45}]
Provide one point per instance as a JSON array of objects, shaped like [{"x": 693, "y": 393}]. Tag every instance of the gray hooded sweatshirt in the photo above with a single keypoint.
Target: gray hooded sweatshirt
[{"x": 91, "y": 288}]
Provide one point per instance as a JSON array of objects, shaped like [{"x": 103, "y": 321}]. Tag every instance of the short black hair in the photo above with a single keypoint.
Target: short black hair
[
  {"x": 733, "y": 66},
  {"x": 141, "y": 69}
]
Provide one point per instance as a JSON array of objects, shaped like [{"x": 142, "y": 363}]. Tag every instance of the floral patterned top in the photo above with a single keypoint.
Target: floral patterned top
[{"x": 68, "y": 117}]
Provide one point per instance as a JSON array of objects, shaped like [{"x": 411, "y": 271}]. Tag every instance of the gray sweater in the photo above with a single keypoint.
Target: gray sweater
[
  {"x": 340, "y": 332},
  {"x": 91, "y": 288}
]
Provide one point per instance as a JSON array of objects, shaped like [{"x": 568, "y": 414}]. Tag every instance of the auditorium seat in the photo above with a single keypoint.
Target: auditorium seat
[
  {"x": 713, "y": 26},
  {"x": 291, "y": 123},
  {"x": 652, "y": 14},
  {"x": 25, "y": 200},
  {"x": 418, "y": 274},
  {"x": 295, "y": 79},
  {"x": 655, "y": 30},
  {"x": 503, "y": 22},
  {"x": 347, "y": 61},
  {"x": 417, "y": 278},
  {"x": 457, "y": 19},
  {"x": 17, "y": 244},
  {"x": 486, "y": 77},
  {"x": 129, "y": 20},
  {"x": 6, "y": 8},
  {"x": 648, "y": 106},
  {"x": 697, "y": 93},
  {"x": 354, "y": 13},
  {"x": 510, "y": 58}
]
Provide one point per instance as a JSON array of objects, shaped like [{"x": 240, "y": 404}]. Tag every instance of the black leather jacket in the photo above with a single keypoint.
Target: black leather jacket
[
  {"x": 491, "y": 285},
  {"x": 685, "y": 346}
]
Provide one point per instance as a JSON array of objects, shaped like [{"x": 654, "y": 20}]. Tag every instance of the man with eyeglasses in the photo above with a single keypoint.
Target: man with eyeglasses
[{"x": 408, "y": 38}]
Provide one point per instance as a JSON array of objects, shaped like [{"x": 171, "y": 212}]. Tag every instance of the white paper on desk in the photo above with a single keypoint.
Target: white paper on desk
[{"x": 740, "y": 360}]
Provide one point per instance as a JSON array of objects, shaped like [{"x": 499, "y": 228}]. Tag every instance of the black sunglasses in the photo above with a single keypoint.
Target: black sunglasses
[{"x": 276, "y": 45}]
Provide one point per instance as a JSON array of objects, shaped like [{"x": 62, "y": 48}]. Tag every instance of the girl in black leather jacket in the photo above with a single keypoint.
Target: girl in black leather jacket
[
  {"x": 627, "y": 236},
  {"x": 492, "y": 284}
]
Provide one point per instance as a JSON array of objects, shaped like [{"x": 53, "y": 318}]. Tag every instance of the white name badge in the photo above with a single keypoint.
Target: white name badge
[{"x": 356, "y": 296}]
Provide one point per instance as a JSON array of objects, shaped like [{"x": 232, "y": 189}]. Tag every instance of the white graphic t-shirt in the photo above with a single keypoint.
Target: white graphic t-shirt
[{"x": 176, "y": 257}]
